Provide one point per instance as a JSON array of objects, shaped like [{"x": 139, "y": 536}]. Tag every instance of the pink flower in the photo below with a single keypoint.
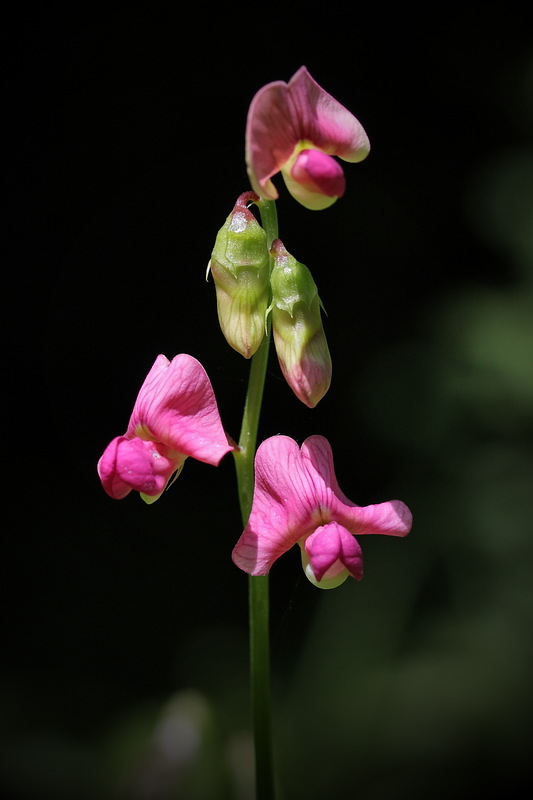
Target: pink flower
[
  {"x": 297, "y": 500},
  {"x": 296, "y": 128},
  {"x": 175, "y": 416}
]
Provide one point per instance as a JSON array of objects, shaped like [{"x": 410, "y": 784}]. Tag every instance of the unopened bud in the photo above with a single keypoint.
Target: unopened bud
[
  {"x": 240, "y": 268},
  {"x": 299, "y": 337}
]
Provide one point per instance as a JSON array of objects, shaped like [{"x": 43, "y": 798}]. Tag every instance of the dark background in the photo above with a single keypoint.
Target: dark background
[{"x": 125, "y": 626}]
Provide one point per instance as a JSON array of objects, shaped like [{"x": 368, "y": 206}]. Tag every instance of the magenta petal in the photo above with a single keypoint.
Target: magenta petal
[
  {"x": 324, "y": 121},
  {"x": 111, "y": 479},
  {"x": 392, "y": 517},
  {"x": 271, "y": 136},
  {"x": 283, "y": 506},
  {"x": 331, "y": 548},
  {"x": 136, "y": 464},
  {"x": 318, "y": 172},
  {"x": 176, "y": 406}
]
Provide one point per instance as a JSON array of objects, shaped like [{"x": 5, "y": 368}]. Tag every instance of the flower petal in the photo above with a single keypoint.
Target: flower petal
[
  {"x": 271, "y": 136},
  {"x": 331, "y": 549},
  {"x": 319, "y": 172},
  {"x": 309, "y": 376},
  {"x": 282, "y": 509},
  {"x": 324, "y": 121},
  {"x": 128, "y": 464},
  {"x": 316, "y": 173},
  {"x": 308, "y": 198},
  {"x": 392, "y": 518},
  {"x": 176, "y": 406},
  {"x": 111, "y": 479}
]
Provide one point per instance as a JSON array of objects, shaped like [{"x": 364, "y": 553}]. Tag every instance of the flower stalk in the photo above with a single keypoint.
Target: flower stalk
[
  {"x": 288, "y": 494},
  {"x": 258, "y": 586}
]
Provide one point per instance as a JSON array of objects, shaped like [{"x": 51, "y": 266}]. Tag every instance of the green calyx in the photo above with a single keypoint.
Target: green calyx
[{"x": 293, "y": 288}]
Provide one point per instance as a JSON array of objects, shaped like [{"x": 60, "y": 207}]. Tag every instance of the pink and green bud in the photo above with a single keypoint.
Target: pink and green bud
[
  {"x": 299, "y": 337},
  {"x": 297, "y": 128},
  {"x": 240, "y": 268}
]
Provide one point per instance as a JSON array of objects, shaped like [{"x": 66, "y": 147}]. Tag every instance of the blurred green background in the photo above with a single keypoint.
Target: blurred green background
[{"x": 124, "y": 667}]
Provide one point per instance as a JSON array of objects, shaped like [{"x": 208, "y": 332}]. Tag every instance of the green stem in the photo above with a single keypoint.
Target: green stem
[
  {"x": 244, "y": 456},
  {"x": 258, "y": 599},
  {"x": 258, "y": 589}
]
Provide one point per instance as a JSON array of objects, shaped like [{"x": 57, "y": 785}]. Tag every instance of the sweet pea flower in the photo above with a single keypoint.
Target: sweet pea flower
[
  {"x": 297, "y": 500},
  {"x": 296, "y": 128},
  {"x": 175, "y": 416}
]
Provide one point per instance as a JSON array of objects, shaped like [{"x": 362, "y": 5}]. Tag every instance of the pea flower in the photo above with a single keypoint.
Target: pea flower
[
  {"x": 296, "y": 128},
  {"x": 297, "y": 500},
  {"x": 175, "y": 416}
]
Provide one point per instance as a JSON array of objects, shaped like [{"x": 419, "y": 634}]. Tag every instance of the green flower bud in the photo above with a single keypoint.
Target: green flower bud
[
  {"x": 299, "y": 337},
  {"x": 240, "y": 265}
]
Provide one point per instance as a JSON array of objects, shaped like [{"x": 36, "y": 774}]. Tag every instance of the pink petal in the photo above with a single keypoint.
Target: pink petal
[
  {"x": 283, "y": 506},
  {"x": 392, "y": 517},
  {"x": 324, "y": 121},
  {"x": 176, "y": 406},
  {"x": 271, "y": 137},
  {"x": 331, "y": 548},
  {"x": 128, "y": 464},
  {"x": 107, "y": 471},
  {"x": 320, "y": 173},
  {"x": 309, "y": 379}
]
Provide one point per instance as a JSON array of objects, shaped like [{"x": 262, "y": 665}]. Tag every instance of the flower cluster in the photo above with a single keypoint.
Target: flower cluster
[{"x": 298, "y": 129}]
